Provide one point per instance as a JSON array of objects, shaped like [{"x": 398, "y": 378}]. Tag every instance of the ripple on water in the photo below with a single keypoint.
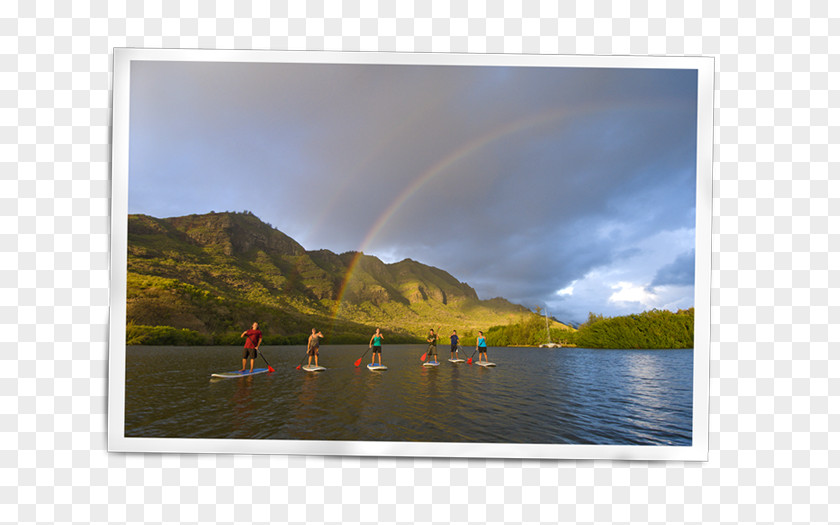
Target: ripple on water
[{"x": 565, "y": 396}]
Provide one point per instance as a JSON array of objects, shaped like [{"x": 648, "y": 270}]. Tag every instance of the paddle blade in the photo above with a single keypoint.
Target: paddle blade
[
  {"x": 358, "y": 362},
  {"x": 423, "y": 357},
  {"x": 297, "y": 367},
  {"x": 469, "y": 361},
  {"x": 270, "y": 369}
]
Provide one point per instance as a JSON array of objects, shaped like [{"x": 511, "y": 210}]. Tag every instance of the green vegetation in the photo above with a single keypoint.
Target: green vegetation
[
  {"x": 203, "y": 279},
  {"x": 162, "y": 335},
  {"x": 654, "y": 329},
  {"x": 215, "y": 274},
  {"x": 531, "y": 331}
]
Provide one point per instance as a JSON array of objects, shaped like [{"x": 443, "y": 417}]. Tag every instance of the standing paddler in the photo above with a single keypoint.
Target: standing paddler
[
  {"x": 376, "y": 346},
  {"x": 313, "y": 345},
  {"x": 453, "y": 345},
  {"x": 252, "y": 345},
  {"x": 481, "y": 346},
  {"x": 432, "y": 340}
]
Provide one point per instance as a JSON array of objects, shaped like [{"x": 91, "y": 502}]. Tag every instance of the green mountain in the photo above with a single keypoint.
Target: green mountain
[{"x": 212, "y": 275}]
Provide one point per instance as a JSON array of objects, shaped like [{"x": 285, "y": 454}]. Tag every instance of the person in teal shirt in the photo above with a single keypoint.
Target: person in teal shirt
[
  {"x": 481, "y": 346},
  {"x": 376, "y": 345}
]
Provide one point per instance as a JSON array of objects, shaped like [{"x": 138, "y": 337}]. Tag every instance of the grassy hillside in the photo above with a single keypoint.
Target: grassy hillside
[{"x": 208, "y": 277}]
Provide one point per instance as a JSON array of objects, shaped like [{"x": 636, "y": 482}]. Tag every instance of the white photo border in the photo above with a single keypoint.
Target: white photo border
[{"x": 118, "y": 442}]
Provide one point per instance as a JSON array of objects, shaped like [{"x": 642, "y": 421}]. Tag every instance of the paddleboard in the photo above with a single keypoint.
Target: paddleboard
[
  {"x": 373, "y": 368},
  {"x": 313, "y": 368},
  {"x": 431, "y": 363},
  {"x": 485, "y": 363},
  {"x": 456, "y": 360},
  {"x": 244, "y": 373}
]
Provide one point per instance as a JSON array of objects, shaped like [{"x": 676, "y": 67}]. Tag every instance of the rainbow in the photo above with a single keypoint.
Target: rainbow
[
  {"x": 437, "y": 170},
  {"x": 466, "y": 151}
]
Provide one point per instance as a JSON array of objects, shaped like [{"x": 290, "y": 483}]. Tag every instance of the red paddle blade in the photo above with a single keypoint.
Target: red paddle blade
[
  {"x": 270, "y": 369},
  {"x": 297, "y": 367},
  {"x": 423, "y": 358},
  {"x": 469, "y": 361},
  {"x": 358, "y": 362}
]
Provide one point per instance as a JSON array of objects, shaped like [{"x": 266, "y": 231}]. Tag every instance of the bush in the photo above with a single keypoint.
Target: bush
[
  {"x": 162, "y": 335},
  {"x": 655, "y": 329}
]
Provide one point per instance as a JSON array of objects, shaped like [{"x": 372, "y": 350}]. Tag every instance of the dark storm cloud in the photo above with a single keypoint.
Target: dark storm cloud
[
  {"x": 519, "y": 181},
  {"x": 678, "y": 273}
]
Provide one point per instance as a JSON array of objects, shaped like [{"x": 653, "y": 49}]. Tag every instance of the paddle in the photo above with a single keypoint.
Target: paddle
[
  {"x": 469, "y": 361},
  {"x": 359, "y": 360},
  {"x": 459, "y": 349},
  {"x": 302, "y": 360},
  {"x": 270, "y": 369}
]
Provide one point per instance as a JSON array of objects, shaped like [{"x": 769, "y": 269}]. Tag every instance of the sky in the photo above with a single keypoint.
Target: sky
[{"x": 568, "y": 189}]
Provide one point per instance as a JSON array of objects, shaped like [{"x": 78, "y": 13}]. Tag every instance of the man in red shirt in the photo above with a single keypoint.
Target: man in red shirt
[{"x": 252, "y": 344}]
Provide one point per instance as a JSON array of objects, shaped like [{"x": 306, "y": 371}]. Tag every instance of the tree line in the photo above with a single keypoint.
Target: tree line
[
  {"x": 136, "y": 334},
  {"x": 654, "y": 329}
]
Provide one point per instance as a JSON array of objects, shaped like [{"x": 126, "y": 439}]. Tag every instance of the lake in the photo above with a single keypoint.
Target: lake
[{"x": 534, "y": 395}]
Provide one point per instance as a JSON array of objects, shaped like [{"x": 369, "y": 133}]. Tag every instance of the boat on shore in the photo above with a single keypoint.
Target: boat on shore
[{"x": 549, "y": 344}]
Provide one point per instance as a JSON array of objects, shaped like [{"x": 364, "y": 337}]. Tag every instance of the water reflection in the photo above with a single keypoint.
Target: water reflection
[
  {"x": 533, "y": 396},
  {"x": 243, "y": 404},
  {"x": 647, "y": 390},
  {"x": 309, "y": 387}
]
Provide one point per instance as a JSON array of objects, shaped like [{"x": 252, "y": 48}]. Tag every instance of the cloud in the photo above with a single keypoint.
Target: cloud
[
  {"x": 678, "y": 273},
  {"x": 518, "y": 181},
  {"x": 569, "y": 290},
  {"x": 618, "y": 281},
  {"x": 632, "y": 293}
]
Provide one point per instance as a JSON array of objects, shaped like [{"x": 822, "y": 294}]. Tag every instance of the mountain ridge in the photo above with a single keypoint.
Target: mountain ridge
[{"x": 217, "y": 272}]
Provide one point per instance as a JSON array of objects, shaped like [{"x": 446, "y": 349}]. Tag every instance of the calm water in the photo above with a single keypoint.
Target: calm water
[{"x": 534, "y": 395}]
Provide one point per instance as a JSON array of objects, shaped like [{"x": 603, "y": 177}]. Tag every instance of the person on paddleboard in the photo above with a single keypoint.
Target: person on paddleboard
[
  {"x": 252, "y": 345},
  {"x": 432, "y": 340},
  {"x": 312, "y": 346},
  {"x": 453, "y": 344},
  {"x": 481, "y": 346},
  {"x": 376, "y": 346}
]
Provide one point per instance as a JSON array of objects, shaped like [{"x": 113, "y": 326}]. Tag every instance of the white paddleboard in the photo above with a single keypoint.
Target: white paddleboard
[
  {"x": 237, "y": 373},
  {"x": 456, "y": 360},
  {"x": 313, "y": 368},
  {"x": 485, "y": 363},
  {"x": 431, "y": 363},
  {"x": 373, "y": 368}
]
